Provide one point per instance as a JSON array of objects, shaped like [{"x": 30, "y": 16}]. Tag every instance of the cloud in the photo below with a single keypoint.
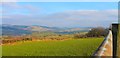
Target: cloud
[
  {"x": 14, "y": 7},
  {"x": 10, "y": 5},
  {"x": 71, "y": 18},
  {"x": 31, "y": 8},
  {"x": 9, "y": 1}
]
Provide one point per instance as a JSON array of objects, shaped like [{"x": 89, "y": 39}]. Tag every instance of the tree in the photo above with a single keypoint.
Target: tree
[{"x": 97, "y": 32}]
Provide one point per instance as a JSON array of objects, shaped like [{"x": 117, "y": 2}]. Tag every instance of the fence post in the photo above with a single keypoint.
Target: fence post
[
  {"x": 115, "y": 39},
  {"x": 118, "y": 42}
]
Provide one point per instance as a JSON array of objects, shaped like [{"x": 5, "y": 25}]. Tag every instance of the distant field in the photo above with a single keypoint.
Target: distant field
[{"x": 73, "y": 47}]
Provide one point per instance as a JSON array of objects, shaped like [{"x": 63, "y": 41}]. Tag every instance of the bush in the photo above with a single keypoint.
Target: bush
[
  {"x": 80, "y": 36},
  {"x": 27, "y": 39},
  {"x": 97, "y": 32}
]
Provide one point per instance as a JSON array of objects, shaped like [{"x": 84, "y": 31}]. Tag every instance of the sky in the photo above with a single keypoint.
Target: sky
[
  {"x": 60, "y": 0},
  {"x": 59, "y": 14}
]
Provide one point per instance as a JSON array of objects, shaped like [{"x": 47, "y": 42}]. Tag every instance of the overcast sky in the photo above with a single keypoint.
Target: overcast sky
[{"x": 59, "y": 14}]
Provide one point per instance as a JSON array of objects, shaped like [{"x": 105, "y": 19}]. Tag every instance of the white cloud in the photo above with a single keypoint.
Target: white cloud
[
  {"x": 68, "y": 18},
  {"x": 8, "y": 1},
  {"x": 10, "y": 5},
  {"x": 14, "y": 6}
]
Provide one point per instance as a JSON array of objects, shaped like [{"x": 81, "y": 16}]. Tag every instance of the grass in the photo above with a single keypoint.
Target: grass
[{"x": 73, "y": 47}]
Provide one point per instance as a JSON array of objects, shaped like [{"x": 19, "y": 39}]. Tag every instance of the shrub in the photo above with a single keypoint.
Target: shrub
[
  {"x": 97, "y": 32},
  {"x": 80, "y": 36}
]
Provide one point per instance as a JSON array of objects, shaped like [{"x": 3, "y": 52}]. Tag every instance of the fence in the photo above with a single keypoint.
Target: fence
[{"x": 111, "y": 44}]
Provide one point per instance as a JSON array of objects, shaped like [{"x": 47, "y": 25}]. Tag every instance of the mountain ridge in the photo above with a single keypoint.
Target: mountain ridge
[{"x": 8, "y": 29}]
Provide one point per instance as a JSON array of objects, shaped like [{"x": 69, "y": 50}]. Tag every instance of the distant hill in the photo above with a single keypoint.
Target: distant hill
[
  {"x": 22, "y": 29},
  {"x": 14, "y": 30}
]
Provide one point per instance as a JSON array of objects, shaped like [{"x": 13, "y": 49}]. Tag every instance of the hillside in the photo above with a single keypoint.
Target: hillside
[{"x": 22, "y": 29}]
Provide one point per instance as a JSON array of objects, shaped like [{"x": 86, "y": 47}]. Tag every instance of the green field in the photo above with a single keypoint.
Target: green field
[{"x": 73, "y": 47}]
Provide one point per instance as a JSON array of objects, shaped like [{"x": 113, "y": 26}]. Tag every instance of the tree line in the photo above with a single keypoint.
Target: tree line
[{"x": 94, "y": 32}]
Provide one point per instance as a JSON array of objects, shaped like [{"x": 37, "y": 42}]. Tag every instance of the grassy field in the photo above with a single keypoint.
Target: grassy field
[{"x": 73, "y": 47}]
